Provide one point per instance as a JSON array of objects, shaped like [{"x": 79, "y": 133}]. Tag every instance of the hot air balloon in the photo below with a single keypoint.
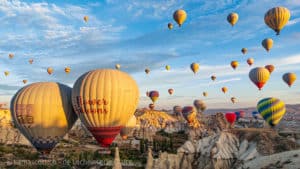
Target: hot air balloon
[
  {"x": 43, "y": 113},
  {"x": 271, "y": 109},
  {"x": 154, "y": 95},
  {"x": 177, "y": 110},
  {"x": 244, "y": 50},
  {"x": 128, "y": 127},
  {"x": 237, "y": 114},
  {"x": 86, "y": 18},
  {"x": 242, "y": 114},
  {"x": 230, "y": 117},
  {"x": 267, "y": 44},
  {"x": 213, "y": 77},
  {"x": 118, "y": 66},
  {"x": 233, "y": 100},
  {"x": 50, "y": 70},
  {"x": 195, "y": 67},
  {"x": 189, "y": 113},
  {"x": 200, "y": 105},
  {"x": 151, "y": 106},
  {"x": 11, "y": 55},
  {"x": 168, "y": 67},
  {"x": 170, "y": 26},
  {"x": 255, "y": 114},
  {"x": 103, "y": 104},
  {"x": 276, "y": 18},
  {"x": 205, "y": 94},
  {"x": 224, "y": 89},
  {"x": 147, "y": 71},
  {"x": 259, "y": 76},
  {"x": 179, "y": 16},
  {"x": 24, "y": 81},
  {"x": 170, "y": 91},
  {"x": 270, "y": 68},
  {"x": 232, "y": 18},
  {"x": 250, "y": 61},
  {"x": 234, "y": 64},
  {"x": 289, "y": 78},
  {"x": 67, "y": 70},
  {"x": 6, "y": 73},
  {"x": 30, "y": 61}
]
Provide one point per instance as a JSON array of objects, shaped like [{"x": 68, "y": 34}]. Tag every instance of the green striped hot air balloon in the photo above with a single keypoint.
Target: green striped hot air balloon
[{"x": 271, "y": 109}]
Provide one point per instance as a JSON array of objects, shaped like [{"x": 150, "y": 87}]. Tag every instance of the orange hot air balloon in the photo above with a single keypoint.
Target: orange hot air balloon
[
  {"x": 234, "y": 64},
  {"x": 11, "y": 55},
  {"x": 276, "y": 18},
  {"x": 205, "y": 94},
  {"x": 244, "y": 50},
  {"x": 179, "y": 16},
  {"x": 171, "y": 91},
  {"x": 289, "y": 78},
  {"x": 125, "y": 131},
  {"x": 43, "y": 113},
  {"x": 224, "y": 89},
  {"x": 270, "y": 68},
  {"x": 151, "y": 106},
  {"x": 24, "y": 81},
  {"x": 189, "y": 113},
  {"x": 213, "y": 77},
  {"x": 250, "y": 61},
  {"x": 170, "y": 26},
  {"x": 30, "y": 61},
  {"x": 86, "y": 18},
  {"x": 233, "y": 100},
  {"x": 195, "y": 67},
  {"x": 232, "y": 18},
  {"x": 103, "y": 104},
  {"x": 50, "y": 70},
  {"x": 67, "y": 70},
  {"x": 154, "y": 95},
  {"x": 267, "y": 44},
  {"x": 259, "y": 76},
  {"x": 147, "y": 71},
  {"x": 6, "y": 73}
]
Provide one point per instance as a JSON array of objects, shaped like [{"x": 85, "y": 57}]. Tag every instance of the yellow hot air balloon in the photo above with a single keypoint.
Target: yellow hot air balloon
[
  {"x": 6, "y": 73},
  {"x": 24, "y": 81},
  {"x": 289, "y": 78},
  {"x": 86, "y": 18},
  {"x": 170, "y": 26},
  {"x": 5, "y": 118},
  {"x": 128, "y": 128},
  {"x": 168, "y": 67},
  {"x": 224, "y": 89},
  {"x": 11, "y": 55},
  {"x": 259, "y": 76},
  {"x": 244, "y": 50},
  {"x": 43, "y": 113},
  {"x": 30, "y": 61},
  {"x": 276, "y": 18},
  {"x": 234, "y": 64},
  {"x": 233, "y": 100},
  {"x": 267, "y": 44},
  {"x": 271, "y": 109},
  {"x": 179, "y": 16},
  {"x": 118, "y": 66},
  {"x": 205, "y": 94},
  {"x": 195, "y": 67},
  {"x": 103, "y": 104},
  {"x": 147, "y": 71},
  {"x": 67, "y": 70},
  {"x": 250, "y": 61},
  {"x": 50, "y": 70},
  {"x": 189, "y": 113},
  {"x": 232, "y": 18}
]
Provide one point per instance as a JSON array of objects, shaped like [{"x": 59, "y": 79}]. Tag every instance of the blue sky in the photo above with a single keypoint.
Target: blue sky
[{"x": 135, "y": 35}]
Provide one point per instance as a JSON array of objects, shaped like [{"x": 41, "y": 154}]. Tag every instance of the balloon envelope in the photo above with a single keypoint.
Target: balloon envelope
[{"x": 230, "y": 117}]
